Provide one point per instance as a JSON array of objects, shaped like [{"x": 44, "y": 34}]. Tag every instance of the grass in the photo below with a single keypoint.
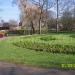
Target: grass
[
  {"x": 49, "y": 43},
  {"x": 19, "y": 55}
]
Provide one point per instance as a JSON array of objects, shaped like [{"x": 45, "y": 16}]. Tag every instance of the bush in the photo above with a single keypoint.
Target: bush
[
  {"x": 45, "y": 46},
  {"x": 19, "y": 32},
  {"x": 46, "y": 38},
  {"x": 73, "y": 36}
]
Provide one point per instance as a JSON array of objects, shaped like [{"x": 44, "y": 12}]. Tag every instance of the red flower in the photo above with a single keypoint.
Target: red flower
[{"x": 1, "y": 35}]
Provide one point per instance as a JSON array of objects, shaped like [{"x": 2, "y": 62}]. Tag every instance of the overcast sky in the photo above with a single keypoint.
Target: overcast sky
[{"x": 8, "y": 11}]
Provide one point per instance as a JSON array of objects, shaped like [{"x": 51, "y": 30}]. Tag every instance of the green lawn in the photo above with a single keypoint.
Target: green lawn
[{"x": 12, "y": 53}]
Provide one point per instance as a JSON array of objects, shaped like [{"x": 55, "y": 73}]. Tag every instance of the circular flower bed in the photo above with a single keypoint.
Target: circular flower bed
[
  {"x": 50, "y": 44},
  {"x": 46, "y": 38}
]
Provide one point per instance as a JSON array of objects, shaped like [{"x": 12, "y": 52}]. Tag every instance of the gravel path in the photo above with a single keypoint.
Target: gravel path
[{"x": 13, "y": 69}]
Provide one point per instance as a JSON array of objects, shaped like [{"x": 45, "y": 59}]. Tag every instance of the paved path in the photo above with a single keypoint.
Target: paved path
[
  {"x": 13, "y": 69},
  {"x": 2, "y": 38}
]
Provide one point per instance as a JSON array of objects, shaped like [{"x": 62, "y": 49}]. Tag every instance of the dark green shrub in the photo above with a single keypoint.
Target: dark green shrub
[
  {"x": 46, "y": 38},
  {"x": 16, "y": 32},
  {"x": 73, "y": 36}
]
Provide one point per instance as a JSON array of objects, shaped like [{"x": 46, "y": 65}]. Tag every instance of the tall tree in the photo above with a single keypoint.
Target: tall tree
[
  {"x": 34, "y": 9},
  {"x": 43, "y": 5},
  {"x": 67, "y": 20},
  {"x": 61, "y": 7}
]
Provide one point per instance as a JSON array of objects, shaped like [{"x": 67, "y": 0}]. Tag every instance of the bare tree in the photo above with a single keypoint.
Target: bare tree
[
  {"x": 43, "y": 5},
  {"x": 34, "y": 11},
  {"x": 61, "y": 7},
  {"x": 67, "y": 20},
  {"x": 28, "y": 14}
]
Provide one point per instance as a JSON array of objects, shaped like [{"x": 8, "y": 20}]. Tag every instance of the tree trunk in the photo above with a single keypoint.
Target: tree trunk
[
  {"x": 40, "y": 25},
  {"x": 33, "y": 29}
]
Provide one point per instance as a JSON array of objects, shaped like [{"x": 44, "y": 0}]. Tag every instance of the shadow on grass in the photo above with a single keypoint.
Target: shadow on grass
[{"x": 73, "y": 36}]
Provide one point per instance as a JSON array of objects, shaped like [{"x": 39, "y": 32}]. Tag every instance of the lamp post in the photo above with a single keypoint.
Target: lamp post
[{"x": 57, "y": 25}]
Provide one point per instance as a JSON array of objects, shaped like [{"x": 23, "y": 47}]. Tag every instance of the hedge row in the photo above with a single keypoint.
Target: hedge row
[
  {"x": 24, "y": 32},
  {"x": 28, "y": 32}
]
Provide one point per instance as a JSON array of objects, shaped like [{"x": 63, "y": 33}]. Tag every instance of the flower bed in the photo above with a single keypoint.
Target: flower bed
[
  {"x": 1, "y": 35},
  {"x": 51, "y": 44}
]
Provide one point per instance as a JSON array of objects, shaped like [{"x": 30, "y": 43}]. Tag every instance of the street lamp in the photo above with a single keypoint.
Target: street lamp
[{"x": 57, "y": 16}]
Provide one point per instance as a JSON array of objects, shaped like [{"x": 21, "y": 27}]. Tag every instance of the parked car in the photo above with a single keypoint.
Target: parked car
[{"x": 3, "y": 33}]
